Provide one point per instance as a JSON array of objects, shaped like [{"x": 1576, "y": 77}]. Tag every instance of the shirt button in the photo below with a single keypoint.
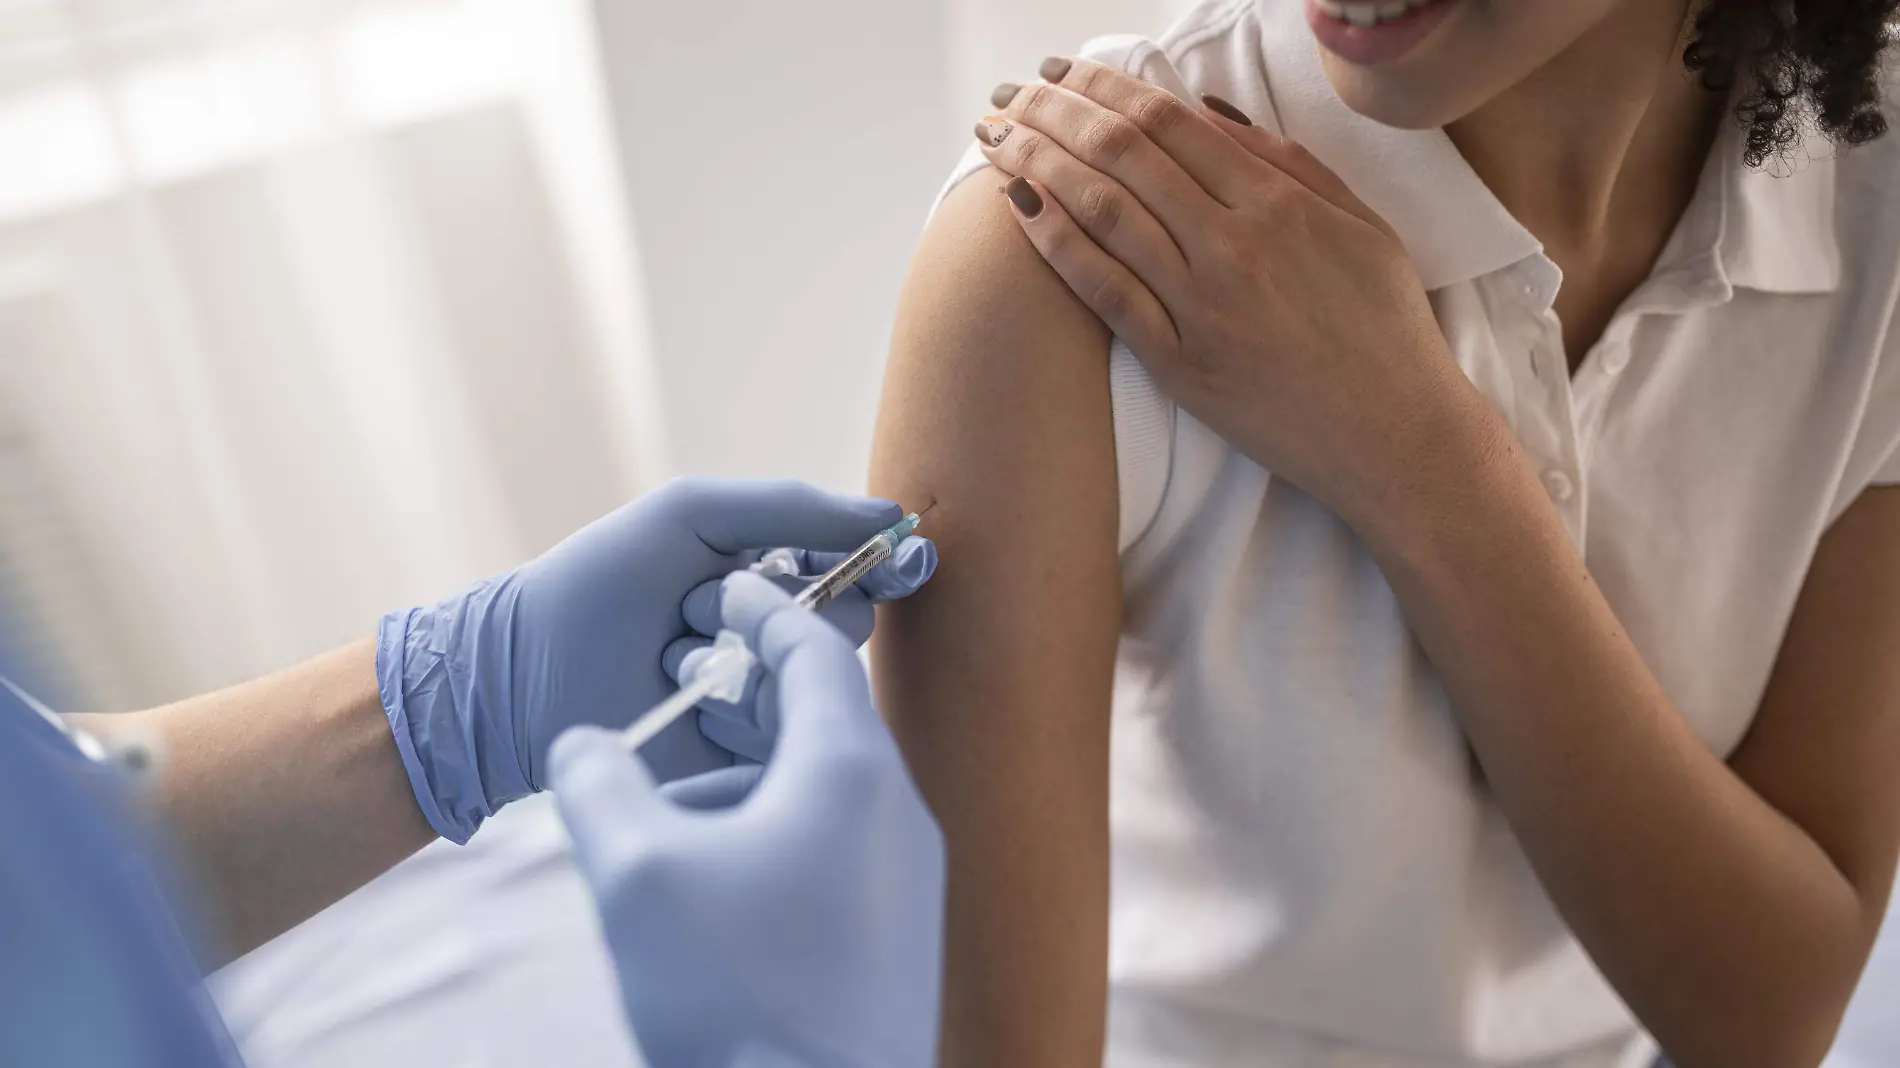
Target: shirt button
[
  {"x": 1559, "y": 486},
  {"x": 1616, "y": 359}
]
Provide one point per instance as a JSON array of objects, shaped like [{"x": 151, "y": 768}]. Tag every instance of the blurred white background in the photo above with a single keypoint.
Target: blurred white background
[
  {"x": 309, "y": 308},
  {"x": 312, "y": 308}
]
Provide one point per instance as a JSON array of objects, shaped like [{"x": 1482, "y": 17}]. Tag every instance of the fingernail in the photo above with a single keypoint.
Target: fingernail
[
  {"x": 1003, "y": 94},
  {"x": 1225, "y": 110},
  {"x": 993, "y": 129},
  {"x": 1054, "y": 69},
  {"x": 1024, "y": 196}
]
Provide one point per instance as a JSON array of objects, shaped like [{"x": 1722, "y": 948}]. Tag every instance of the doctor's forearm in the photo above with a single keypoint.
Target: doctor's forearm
[
  {"x": 282, "y": 794},
  {"x": 1723, "y": 924}
]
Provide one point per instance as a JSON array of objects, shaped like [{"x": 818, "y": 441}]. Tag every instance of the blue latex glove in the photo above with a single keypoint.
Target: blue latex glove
[
  {"x": 746, "y": 727},
  {"x": 477, "y": 686},
  {"x": 801, "y": 927}
]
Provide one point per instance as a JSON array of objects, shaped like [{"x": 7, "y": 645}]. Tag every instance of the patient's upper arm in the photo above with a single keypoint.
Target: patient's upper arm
[{"x": 996, "y": 677}]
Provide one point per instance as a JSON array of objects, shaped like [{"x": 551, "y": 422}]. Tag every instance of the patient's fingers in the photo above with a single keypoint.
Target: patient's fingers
[
  {"x": 1119, "y": 146},
  {"x": 1114, "y": 218},
  {"x": 1292, "y": 158},
  {"x": 1230, "y": 174},
  {"x": 1111, "y": 290}
]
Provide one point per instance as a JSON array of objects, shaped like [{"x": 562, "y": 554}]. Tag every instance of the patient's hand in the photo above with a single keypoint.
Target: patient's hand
[{"x": 1260, "y": 293}]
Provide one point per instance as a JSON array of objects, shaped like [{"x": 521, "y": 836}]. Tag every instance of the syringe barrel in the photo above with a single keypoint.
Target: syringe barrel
[{"x": 854, "y": 567}]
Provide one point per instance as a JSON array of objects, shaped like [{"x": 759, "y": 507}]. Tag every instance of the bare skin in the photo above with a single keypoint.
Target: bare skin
[
  {"x": 1732, "y": 905},
  {"x": 282, "y": 794},
  {"x": 996, "y": 677},
  {"x": 1600, "y": 178}
]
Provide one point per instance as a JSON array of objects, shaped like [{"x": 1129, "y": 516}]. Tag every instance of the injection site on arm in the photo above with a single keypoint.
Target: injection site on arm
[{"x": 996, "y": 677}]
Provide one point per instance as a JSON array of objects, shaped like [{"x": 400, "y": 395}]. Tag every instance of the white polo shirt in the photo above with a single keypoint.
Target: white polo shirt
[{"x": 1307, "y": 870}]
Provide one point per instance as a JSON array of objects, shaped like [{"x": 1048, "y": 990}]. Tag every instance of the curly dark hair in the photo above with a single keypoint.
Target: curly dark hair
[{"x": 1799, "y": 61}]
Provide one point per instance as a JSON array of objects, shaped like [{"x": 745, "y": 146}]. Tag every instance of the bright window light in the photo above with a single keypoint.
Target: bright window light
[
  {"x": 59, "y": 149},
  {"x": 406, "y": 63},
  {"x": 184, "y": 117},
  {"x": 235, "y": 100}
]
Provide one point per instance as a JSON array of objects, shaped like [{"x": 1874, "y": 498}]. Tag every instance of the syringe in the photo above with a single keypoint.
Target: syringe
[
  {"x": 721, "y": 677},
  {"x": 858, "y": 564}
]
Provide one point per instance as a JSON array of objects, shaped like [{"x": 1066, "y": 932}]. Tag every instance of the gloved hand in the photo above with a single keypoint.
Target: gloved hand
[
  {"x": 477, "y": 686},
  {"x": 746, "y": 727},
  {"x": 804, "y": 925}
]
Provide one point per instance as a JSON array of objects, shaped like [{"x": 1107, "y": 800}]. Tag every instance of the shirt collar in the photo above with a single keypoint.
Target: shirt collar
[
  {"x": 1777, "y": 225},
  {"x": 1417, "y": 181},
  {"x": 1766, "y": 230}
]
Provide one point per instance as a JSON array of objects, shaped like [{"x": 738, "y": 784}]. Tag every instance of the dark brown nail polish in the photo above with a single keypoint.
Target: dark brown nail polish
[
  {"x": 1225, "y": 110},
  {"x": 993, "y": 130},
  {"x": 1054, "y": 69},
  {"x": 1024, "y": 196},
  {"x": 1003, "y": 94}
]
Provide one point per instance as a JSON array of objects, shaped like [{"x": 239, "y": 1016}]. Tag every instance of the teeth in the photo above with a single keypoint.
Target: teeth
[{"x": 1368, "y": 13}]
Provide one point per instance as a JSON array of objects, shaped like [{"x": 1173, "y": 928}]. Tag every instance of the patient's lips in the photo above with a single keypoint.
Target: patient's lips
[{"x": 1371, "y": 32}]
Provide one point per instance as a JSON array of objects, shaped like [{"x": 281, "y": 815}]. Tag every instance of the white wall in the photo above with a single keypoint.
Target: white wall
[
  {"x": 780, "y": 162},
  {"x": 379, "y": 295},
  {"x": 308, "y": 309}
]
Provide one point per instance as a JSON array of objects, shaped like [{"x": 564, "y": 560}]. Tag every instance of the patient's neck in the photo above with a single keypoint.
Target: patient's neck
[{"x": 1598, "y": 153}]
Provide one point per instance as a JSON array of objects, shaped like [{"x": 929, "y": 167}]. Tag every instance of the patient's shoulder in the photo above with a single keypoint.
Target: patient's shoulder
[
  {"x": 995, "y": 401},
  {"x": 979, "y": 293}
]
